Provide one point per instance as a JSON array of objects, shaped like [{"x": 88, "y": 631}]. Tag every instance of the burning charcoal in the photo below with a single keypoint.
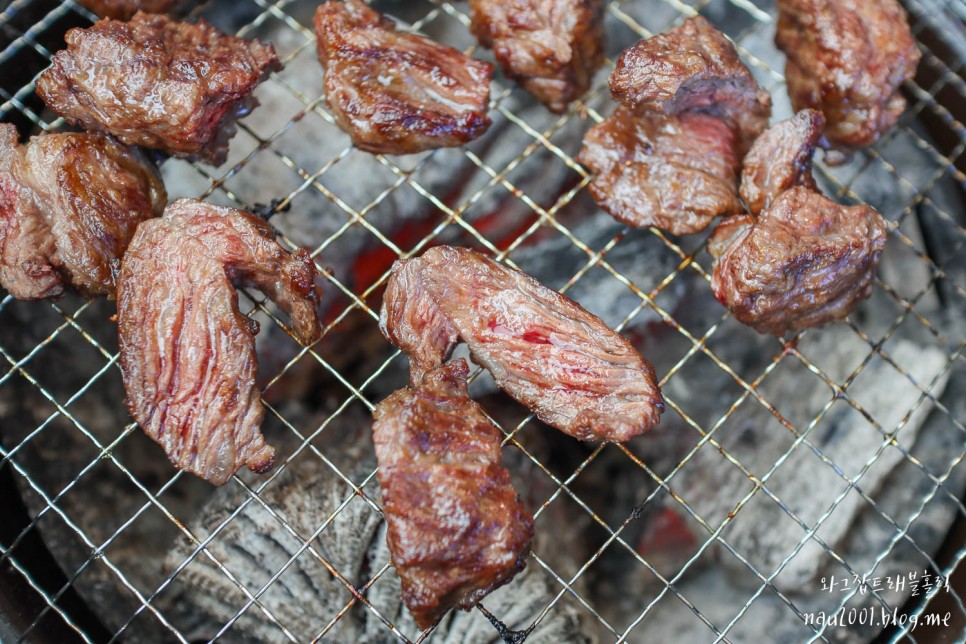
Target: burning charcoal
[
  {"x": 761, "y": 531},
  {"x": 845, "y": 436},
  {"x": 345, "y": 212},
  {"x": 255, "y": 546}
]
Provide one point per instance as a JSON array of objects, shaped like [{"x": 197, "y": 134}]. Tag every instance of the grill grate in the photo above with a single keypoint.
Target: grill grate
[{"x": 31, "y": 29}]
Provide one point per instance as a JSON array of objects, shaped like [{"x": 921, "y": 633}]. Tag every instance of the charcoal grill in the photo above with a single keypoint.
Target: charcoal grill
[{"x": 42, "y": 597}]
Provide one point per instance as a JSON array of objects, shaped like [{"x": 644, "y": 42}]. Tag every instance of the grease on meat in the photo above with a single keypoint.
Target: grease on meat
[
  {"x": 847, "y": 58},
  {"x": 187, "y": 352},
  {"x": 803, "y": 262},
  {"x": 542, "y": 348},
  {"x": 69, "y": 205},
  {"x": 125, "y": 9},
  {"x": 780, "y": 159},
  {"x": 456, "y": 528},
  {"x": 158, "y": 83},
  {"x": 551, "y": 47},
  {"x": 669, "y": 155},
  {"x": 676, "y": 173},
  {"x": 396, "y": 92},
  {"x": 692, "y": 67}
]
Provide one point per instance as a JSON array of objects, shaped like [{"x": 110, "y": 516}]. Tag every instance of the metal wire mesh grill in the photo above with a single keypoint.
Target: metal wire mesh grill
[{"x": 75, "y": 320}]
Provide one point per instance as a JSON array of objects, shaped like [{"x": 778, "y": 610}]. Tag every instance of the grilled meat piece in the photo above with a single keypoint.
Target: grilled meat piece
[
  {"x": 187, "y": 353},
  {"x": 69, "y": 205},
  {"x": 847, "y": 58},
  {"x": 805, "y": 261},
  {"x": 543, "y": 349},
  {"x": 125, "y": 9},
  {"x": 395, "y": 92},
  {"x": 26, "y": 243},
  {"x": 693, "y": 66},
  {"x": 457, "y": 529},
  {"x": 676, "y": 173},
  {"x": 780, "y": 159},
  {"x": 551, "y": 47},
  {"x": 158, "y": 83},
  {"x": 669, "y": 155}
]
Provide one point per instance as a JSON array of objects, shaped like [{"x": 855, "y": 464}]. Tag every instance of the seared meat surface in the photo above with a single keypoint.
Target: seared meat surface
[
  {"x": 780, "y": 159},
  {"x": 125, "y": 9},
  {"x": 396, "y": 92},
  {"x": 847, "y": 58},
  {"x": 542, "y": 348},
  {"x": 158, "y": 83},
  {"x": 456, "y": 528},
  {"x": 676, "y": 173},
  {"x": 26, "y": 244},
  {"x": 69, "y": 205},
  {"x": 551, "y": 47},
  {"x": 805, "y": 261},
  {"x": 693, "y": 66},
  {"x": 187, "y": 352},
  {"x": 669, "y": 155}
]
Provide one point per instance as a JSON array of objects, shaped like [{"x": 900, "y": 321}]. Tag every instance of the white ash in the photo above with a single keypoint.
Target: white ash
[
  {"x": 804, "y": 483},
  {"x": 254, "y": 546},
  {"x": 720, "y": 591}
]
